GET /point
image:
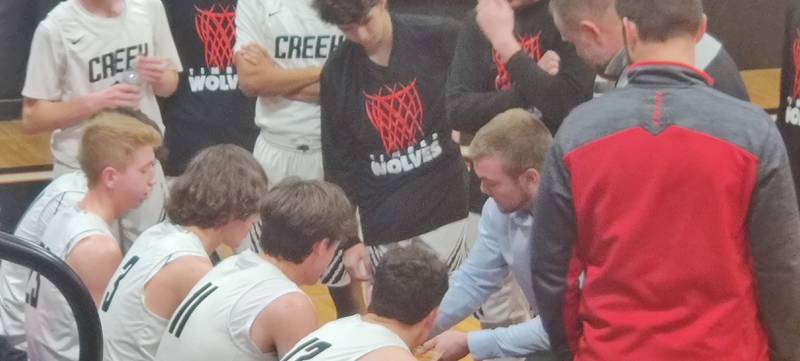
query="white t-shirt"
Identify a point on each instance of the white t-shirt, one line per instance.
(130, 330)
(75, 53)
(346, 339)
(295, 37)
(213, 322)
(49, 323)
(64, 191)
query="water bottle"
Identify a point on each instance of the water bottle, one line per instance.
(131, 77)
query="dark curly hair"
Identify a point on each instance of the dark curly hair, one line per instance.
(341, 12)
(410, 282)
(221, 183)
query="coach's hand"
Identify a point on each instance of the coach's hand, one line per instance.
(452, 344)
(356, 262)
(116, 96)
(550, 62)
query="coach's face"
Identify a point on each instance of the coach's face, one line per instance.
(510, 192)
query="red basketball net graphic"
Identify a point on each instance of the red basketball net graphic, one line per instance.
(531, 45)
(216, 28)
(796, 53)
(396, 113)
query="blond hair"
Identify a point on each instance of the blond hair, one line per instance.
(516, 137)
(110, 139)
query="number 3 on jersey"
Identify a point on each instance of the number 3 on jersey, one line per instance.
(110, 295)
(308, 350)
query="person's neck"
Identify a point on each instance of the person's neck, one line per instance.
(292, 271)
(676, 50)
(104, 8)
(382, 50)
(209, 237)
(97, 202)
(409, 334)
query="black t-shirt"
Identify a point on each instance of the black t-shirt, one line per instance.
(385, 139)
(789, 110)
(208, 108)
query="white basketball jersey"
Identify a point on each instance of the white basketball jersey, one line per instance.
(295, 37)
(49, 323)
(130, 330)
(213, 322)
(346, 339)
(75, 53)
(64, 191)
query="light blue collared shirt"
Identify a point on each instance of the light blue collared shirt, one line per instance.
(503, 246)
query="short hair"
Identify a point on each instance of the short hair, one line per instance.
(518, 138)
(299, 213)
(409, 283)
(660, 20)
(571, 12)
(221, 183)
(341, 12)
(110, 139)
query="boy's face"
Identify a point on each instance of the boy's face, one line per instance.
(370, 30)
(135, 182)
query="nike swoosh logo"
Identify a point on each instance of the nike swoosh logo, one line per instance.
(76, 40)
(273, 13)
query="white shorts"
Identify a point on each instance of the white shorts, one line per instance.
(280, 162)
(136, 221)
(450, 242)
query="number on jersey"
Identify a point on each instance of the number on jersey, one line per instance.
(308, 350)
(110, 295)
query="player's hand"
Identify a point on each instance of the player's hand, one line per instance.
(151, 69)
(117, 96)
(550, 62)
(496, 20)
(255, 55)
(356, 262)
(452, 345)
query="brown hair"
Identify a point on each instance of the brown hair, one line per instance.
(299, 213)
(409, 283)
(221, 183)
(110, 139)
(342, 12)
(659, 20)
(516, 137)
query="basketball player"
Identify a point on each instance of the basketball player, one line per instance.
(64, 191)
(385, 139)
(789, 110)
(409, 283)
(117, 156)
(84, 57)
(214, 202)
(280, 49)
(596, 30)
(250, 307)
(207, 108)
(507, 154)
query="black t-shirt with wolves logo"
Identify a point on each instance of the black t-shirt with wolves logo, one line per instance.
(207, 108)
(385, 139)
(789, 110)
